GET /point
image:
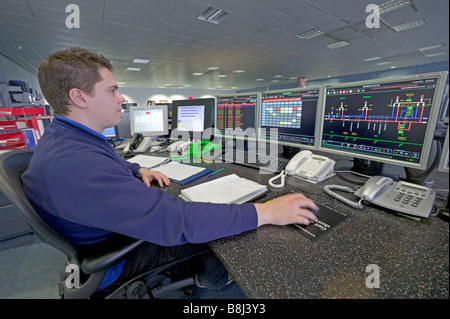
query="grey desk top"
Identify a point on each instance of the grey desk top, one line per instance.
(279, 262)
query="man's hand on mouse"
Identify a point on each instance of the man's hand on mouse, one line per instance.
(288, 209)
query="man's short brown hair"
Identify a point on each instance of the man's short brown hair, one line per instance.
(67, 69)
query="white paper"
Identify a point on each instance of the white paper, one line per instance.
(178, 171)
(148, 161)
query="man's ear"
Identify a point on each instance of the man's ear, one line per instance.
(78, 98)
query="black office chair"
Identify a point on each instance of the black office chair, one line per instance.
(93, 263)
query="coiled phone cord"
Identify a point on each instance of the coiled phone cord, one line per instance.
(328, 189)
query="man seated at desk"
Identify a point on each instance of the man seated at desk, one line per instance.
(85, 191)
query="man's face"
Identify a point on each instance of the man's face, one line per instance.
(105, 102)
(301, 82)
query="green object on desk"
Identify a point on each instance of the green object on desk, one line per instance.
(218, 171)
(197, 150)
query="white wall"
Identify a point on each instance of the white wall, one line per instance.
(142, 95)
(9, 70)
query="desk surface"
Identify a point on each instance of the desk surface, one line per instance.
(279, 262)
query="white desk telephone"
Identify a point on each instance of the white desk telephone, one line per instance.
(306, 165)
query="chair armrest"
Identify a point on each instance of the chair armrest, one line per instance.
(102, 256)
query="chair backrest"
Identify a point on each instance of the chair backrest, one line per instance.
(12, 165)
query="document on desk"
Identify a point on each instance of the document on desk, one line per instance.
(225, 190)
(182, 173)
(148, 161)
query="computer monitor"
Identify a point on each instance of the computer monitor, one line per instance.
(443, 163)
(150, 121)
(289, 117)
(236, 115)
(191, 118)
(111, 132)
(389, 120)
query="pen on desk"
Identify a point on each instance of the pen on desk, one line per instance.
(219, 170)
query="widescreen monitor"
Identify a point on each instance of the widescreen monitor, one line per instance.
(150, 121)
(192, 118)
(236, 115)
(289, 117)
(388, 120)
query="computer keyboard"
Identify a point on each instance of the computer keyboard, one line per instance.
(255, 160)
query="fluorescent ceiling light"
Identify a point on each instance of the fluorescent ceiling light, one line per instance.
(133, 69)
(197, 73)
(142, 61)
(213, 15)
(275, 81)
(431, 47)
(213, 68)
(393, 5)
(435, 54)
(338, 44)
(310, 34)
(238, 71)
(372, 59)
(259, 79)
(222, 76)
(409, 25)
(278, 76)
(384, 63)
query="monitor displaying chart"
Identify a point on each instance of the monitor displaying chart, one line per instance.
(289, 116)
(388, 120)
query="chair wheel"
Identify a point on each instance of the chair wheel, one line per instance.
(137, 290)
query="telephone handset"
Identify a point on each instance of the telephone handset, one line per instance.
(372, 187)
(366, 193)
(402, 197)
(136, 140)
(305, 165)
(138, 144)
(296, 161)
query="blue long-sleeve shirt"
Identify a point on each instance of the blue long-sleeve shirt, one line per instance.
(85, 191)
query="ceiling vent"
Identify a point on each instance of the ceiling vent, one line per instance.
(310, 34)
(213, 15)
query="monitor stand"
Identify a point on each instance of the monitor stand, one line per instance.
(418, 176)
(361, 166)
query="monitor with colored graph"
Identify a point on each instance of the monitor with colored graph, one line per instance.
(388, 120)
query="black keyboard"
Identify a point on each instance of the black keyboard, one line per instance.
(270, 163)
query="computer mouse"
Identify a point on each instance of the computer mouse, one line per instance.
(315, 212)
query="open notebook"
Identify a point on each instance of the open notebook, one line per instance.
(225, 190)
(177, 172)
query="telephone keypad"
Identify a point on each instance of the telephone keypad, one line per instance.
(406, 197)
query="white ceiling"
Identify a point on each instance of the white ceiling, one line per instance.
(259, 37)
